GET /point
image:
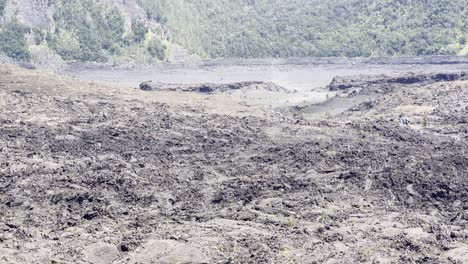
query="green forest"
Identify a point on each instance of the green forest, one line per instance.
(302, 28)
(88, 30)
(84, 30)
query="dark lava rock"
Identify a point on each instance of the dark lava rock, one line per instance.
(149, 86)
(209, 88)
(124, 248)
(344, 83)
(90, 215)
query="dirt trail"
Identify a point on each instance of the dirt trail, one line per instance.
(90, 173)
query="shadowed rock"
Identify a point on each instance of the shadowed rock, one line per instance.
(26, 65)
(212, 87)
(150, 86)
(344, 83)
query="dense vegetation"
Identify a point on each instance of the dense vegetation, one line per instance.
(13, 40)
(92, 30)
(285, 28)
(84, 30)
(88, 31)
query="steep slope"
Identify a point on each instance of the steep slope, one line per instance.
(84, 30)
(145, 31)
(298, 28)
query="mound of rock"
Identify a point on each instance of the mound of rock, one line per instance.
(150, 86)
(345, 83)
(385, 94)
(211, 88)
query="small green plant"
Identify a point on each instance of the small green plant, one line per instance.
(286, 256)
(424, 122)
(323, 217)
(291, 223)
(364, 256)
(38, 35)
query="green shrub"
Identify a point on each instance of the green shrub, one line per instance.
(38, 35)
(91, 47)
(139, 30)
(156, 49)
(13, 41)
(66, 44)
(2, 7)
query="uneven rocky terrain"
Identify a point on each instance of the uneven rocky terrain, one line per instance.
(91, 173)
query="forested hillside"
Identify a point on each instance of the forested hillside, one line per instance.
(144, 30)
(83, 30)
(285, 28)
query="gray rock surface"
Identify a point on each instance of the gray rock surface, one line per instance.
(167, 252)
(100, 253)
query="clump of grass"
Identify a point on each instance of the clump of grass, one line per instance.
(286, 256)
(323, 217)
(424, 122)
(291, 223)
(364, 256)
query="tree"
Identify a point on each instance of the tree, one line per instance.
(13, 41)
(156, 49)
(139, 30)
(110, 25)
(2, 7)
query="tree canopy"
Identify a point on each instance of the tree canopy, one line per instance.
(298, 28)
(92, 30)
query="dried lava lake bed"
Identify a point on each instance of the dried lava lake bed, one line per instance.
(322, 171)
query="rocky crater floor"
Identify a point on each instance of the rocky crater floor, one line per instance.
(91, 173)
